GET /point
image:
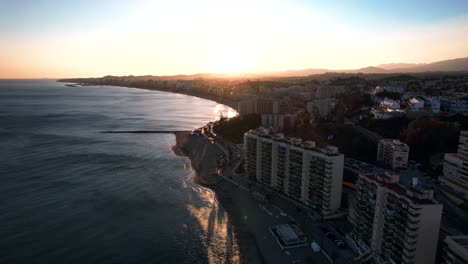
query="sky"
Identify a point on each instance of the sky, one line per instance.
(93, 38)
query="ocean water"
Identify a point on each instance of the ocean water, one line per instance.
(69, 194)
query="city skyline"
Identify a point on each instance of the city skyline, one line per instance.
(56, 39)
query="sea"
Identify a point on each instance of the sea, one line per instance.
(70, 194)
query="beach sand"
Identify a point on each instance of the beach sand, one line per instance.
(203, 156)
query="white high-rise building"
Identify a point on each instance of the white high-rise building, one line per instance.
(393, 153)
(396, 224)
(297, 169)
(456, 166)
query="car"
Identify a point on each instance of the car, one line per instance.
(315, 246)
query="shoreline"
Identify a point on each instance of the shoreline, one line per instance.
(202, 156)
(217, 99)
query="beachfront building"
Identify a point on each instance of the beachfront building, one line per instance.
(456, 166)
(395, 223)
(258, 106)
(393, 153)
(455, 250)
(299, 170)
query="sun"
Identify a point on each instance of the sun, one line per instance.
(230, 58)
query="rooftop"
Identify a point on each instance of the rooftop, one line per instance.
(294, 142)
(418, 194)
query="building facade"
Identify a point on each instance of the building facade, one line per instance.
(323, 107)
(278, 122)
(395, 224)
(455, 172)
(455, 250)
(297, 169)
(393, 153)
(258, 106)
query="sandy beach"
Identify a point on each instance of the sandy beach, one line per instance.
(203, 155)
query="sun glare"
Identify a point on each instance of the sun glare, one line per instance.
(230, 58)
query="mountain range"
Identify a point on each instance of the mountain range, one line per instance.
(460, 64)
(454, 65)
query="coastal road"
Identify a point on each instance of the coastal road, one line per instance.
(257, 218)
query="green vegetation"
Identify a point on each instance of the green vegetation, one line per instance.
(353, 144)
(389, 128)
(427, 136)
(233, 129)
(354, 102)
(391, 95)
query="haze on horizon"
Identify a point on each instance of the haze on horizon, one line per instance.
(58, 39)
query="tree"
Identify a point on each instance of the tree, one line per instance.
(427, 136)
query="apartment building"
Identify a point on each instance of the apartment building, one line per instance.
(278, 122)
(455, 172)
(297, 169)
(455, 250)
(323, 107)
(393, 153)
(258, 106)
(394, 223)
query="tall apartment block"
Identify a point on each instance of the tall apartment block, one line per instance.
(455, 250)
(456, 166)
(258, 106)
(393, 153)
(394, 223)
(297, 169)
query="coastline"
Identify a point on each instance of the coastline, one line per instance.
(217, 99)
(202, 155)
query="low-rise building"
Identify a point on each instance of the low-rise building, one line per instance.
(433, 102)
(454, 105)
(388, 103)
(391, 89)
(395, 223)
(416, 104)
(297, 169)
(393, 153)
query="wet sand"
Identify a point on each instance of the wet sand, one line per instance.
(236, 202)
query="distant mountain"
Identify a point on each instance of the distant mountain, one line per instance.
(393, 66)
(460, 64)
(368, 70)
(292, 73)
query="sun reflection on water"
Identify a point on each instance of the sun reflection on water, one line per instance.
(225, 111)
(217, 231)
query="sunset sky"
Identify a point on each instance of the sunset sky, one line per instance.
(92, 38)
